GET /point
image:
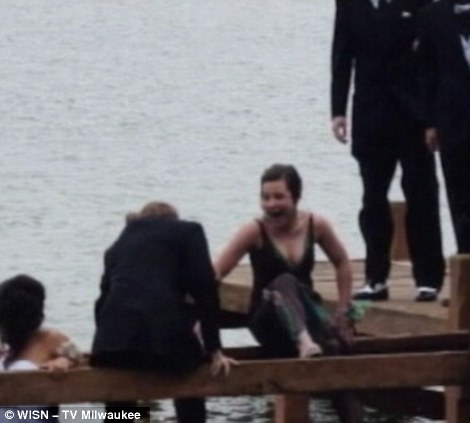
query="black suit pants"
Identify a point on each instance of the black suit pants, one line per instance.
(419, 184)
(456, 167)
(188, 410)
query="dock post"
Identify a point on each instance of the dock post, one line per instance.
(458, 398)
(399, 250)
(292, 408)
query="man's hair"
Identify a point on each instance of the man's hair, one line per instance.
(154, 209)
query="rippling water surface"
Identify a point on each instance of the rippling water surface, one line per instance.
(107, 104)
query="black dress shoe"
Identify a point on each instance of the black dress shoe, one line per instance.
(376, 292)
(426, 294)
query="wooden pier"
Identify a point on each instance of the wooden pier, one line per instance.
(399, 316)
(411, 345)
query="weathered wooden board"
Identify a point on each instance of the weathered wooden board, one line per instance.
(249, 378)
(400, 315)
(451, 341)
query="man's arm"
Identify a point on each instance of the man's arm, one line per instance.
(104, 287)
(341, 69)
(201, 284)
(428, 78)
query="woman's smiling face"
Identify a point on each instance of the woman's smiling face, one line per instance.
(277, 202)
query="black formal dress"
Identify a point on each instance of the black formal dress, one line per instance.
(444, 32)
(276, 321)
(283, 303)
(143, 320)
(378, 46)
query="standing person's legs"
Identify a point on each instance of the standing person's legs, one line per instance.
(419, 183)
(375, 222)
(456, 168)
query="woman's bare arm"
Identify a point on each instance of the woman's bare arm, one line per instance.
(336, 253)
(240, 244)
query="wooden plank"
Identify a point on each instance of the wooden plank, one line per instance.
(458, 398)
(399, 315)
(249, 378)
(381, 320)
(458, 340)
(292, 408)
(459, 317)
(451, 341)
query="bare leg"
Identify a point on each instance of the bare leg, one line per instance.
(307, 346)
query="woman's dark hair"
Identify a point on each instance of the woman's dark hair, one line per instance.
(289, 174)
(21, 312)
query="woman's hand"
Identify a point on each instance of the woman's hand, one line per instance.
(221, 363)
(59, 364)
(343, 325)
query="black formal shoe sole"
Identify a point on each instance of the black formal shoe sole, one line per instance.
(372, 296)
(426, 297)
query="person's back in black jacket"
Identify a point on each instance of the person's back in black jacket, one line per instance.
(143, 319)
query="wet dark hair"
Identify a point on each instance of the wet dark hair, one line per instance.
(285, 172)
(21, 312)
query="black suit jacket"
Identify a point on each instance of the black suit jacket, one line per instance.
(446, 74)
(150, 269)
(379, 46)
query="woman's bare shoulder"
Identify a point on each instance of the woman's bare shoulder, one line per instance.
(249, 233)
(321, 224)
(251, 227)
(247, 230)
(307, 215)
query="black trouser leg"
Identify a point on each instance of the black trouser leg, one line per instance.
(456, 168)
(348, 407)
(190, 410)
(422, 221)
(375, 219)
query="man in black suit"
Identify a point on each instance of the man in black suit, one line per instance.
(377, 39)
(143, 320)
(444, 49)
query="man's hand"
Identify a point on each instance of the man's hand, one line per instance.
(221, 363)
(432, 139)
(339, 126)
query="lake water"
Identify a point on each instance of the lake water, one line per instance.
(107, 104)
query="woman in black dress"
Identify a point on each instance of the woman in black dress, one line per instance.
(286, 315)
